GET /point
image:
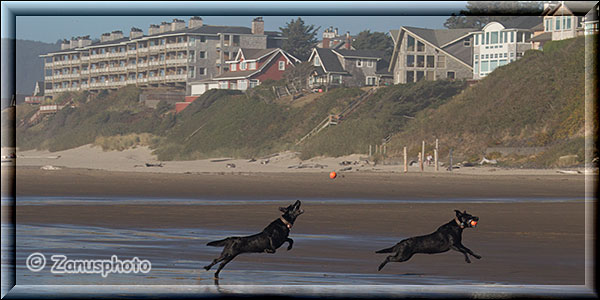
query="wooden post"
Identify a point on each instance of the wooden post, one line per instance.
(370, 152)
(405, 161)
(437, 166)
(422, 155)
(450, 159)
(421, 161)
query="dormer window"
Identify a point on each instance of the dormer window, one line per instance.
(252, 65)
(317, 61)
(243, 65)
(233, 67)
(359, 63)
(282, 66)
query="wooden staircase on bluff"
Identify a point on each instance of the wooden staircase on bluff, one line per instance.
(336, 119)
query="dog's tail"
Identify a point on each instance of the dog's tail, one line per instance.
(386, 250)
(219, 243)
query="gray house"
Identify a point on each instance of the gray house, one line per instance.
(431, 54)
(348, 67)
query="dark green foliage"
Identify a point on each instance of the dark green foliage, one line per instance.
(108, 114)
(535, 101)
(379, 41)
(480, 13)
(300, 38)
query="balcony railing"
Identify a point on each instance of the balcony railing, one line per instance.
(177, 46)
(177, 61)
(156, 63)
(176, 77)
(143, 65)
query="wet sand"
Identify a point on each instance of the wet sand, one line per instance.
(521, 243)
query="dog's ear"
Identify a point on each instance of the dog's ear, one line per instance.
(283, 209)
(458, 213)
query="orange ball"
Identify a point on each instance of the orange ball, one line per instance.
(333, 175)
(473, 223)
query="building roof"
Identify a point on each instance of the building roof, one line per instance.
(546, 36)
(578, 8)
(329, 60)
(523, 22)
(394, 34)
(359, 53)
(256, 54)
(252, 54)
(592, 15)
(440, 37)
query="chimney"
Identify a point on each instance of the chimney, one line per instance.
(84, 41)
(164, 27)
(258, 26)
(348, 40)
(154, 29)
(336, 32)
(65, 44)
(105, 37)
(177, 24)
(135, 33)
(195, 22)
(115, 35)
(73, 43)
(325, 43)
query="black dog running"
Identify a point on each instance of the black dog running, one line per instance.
(446, 237)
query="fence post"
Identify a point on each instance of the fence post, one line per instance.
(405, 162)
(370, 152)
(421, 161)
(437, 166)
(422, 155)
(450, 160)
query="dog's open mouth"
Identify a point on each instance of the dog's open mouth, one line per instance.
(473, 223)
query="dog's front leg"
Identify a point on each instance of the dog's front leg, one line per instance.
(272, 248)
(459, 249)
(290, 242)
(469, 251)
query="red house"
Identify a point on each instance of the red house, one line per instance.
(249, 68)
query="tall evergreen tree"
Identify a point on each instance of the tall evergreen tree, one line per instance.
(300, 38)
(379, 41)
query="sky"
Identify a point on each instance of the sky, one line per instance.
(49, 21)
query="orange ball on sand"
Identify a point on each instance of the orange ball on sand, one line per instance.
(333, 175)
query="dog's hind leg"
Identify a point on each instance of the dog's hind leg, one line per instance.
(227, 259)
(399, 257)
(214, 262)
(290, 243)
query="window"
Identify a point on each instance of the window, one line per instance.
(451, 75)
(410, 43)
(359, 63)
(420, 47)
(501, 35)
(429, 75)
(502, 62)
(494, 37)
(420, 75)
(202, 54)
(512, 35)
(476, 39)
(254, 82)
(203, 39)
(557, 23)
(420, 61)
(233, 85)
(505, 35)
(512, 54)
(370, 63)
(371, 80)
(493, 65)
(233, 67)
(519, 54)
(441, 61)
(519, 37)
(410, 76)
(487, 38)
(282, 66)
(568, 24)
(484, 66)
(476, 67)
(430, 61)
(467, 43)
(476, 56)
(223, 85)
(481, 38)
(252, 65)
(317, 61)
(496, 55)
(243, 65)
(201, 71)
(410, 60)
(336, 79)
(242, 84)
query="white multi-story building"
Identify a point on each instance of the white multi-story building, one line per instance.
(172, 54)
(498, 44)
